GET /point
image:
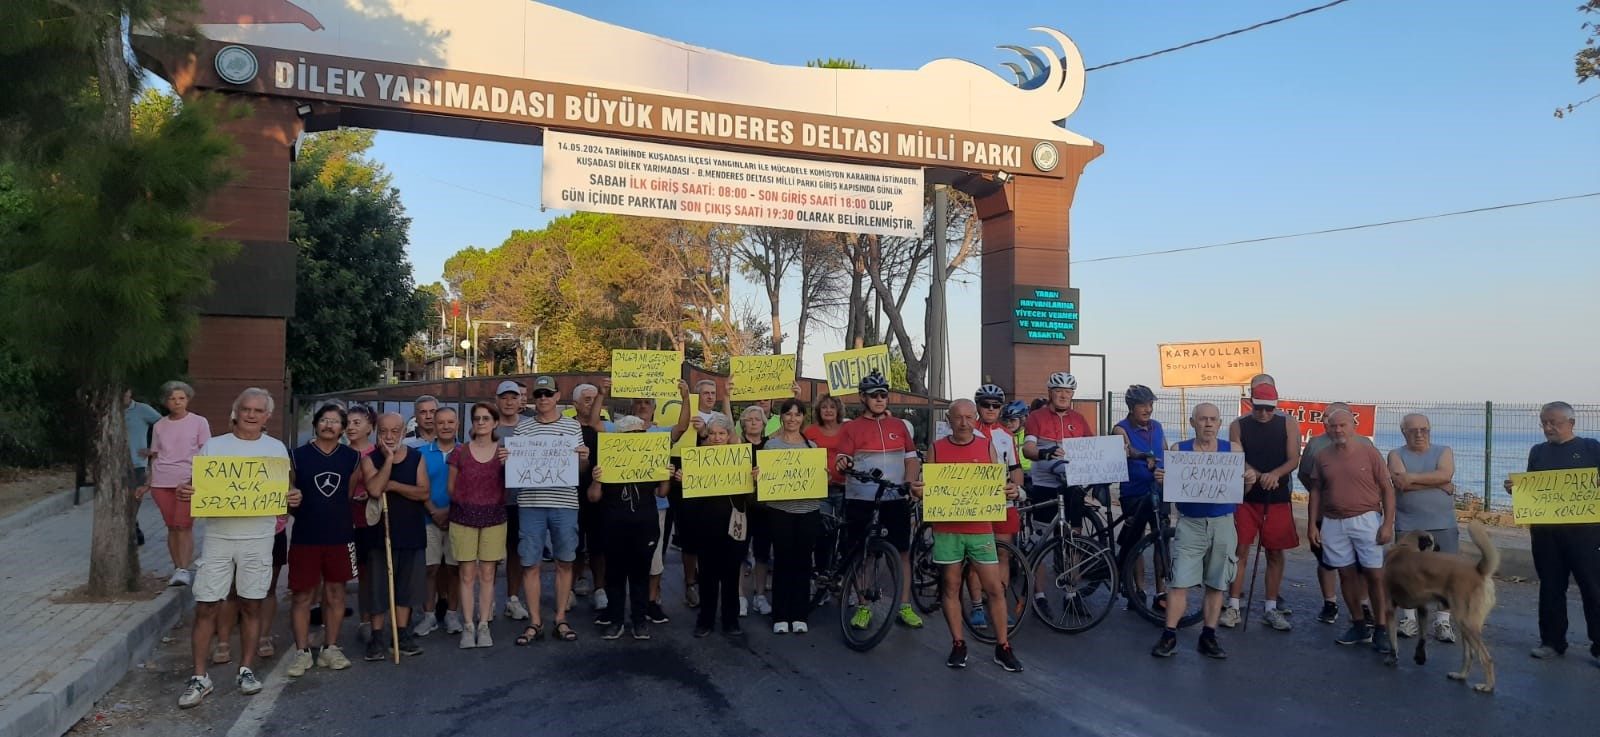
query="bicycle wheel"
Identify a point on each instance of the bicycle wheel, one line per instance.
(1076, 583)
(1145, 574)
(871, 596)
(1018, 592)
(924, 573)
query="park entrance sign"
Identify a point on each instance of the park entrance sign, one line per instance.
(512, 70)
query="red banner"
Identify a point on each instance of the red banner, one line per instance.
(1309, 415)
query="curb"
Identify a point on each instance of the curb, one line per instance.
(49, 506)
(55, 707)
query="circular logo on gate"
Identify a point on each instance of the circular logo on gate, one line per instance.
(1045, 156)
(237, 65)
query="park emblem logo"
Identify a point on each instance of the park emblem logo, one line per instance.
(236, 64)
(1045, 156)
(327, 482)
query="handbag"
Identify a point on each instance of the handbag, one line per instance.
(738, 525)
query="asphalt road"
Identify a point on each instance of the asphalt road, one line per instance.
(1099, 683)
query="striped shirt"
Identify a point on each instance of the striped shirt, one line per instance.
(557, 497)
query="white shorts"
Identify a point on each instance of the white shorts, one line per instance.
(1352, 540)
(658, 565)
(225, 565)
(439, 548)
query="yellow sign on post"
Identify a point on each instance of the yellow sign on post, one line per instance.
(1229, 363)
(648, 374)
(1568, 497)
(633, 457)
(790, 474)
(762, 377)
(717, 470)
(847, 368)
(964, 492)
(226, 486)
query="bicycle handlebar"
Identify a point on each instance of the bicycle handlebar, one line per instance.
(875, 476)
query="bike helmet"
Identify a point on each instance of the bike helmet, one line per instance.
(1139, 394)
(873, 382)
(1062, 380)
(989, 391)
(1014, 411)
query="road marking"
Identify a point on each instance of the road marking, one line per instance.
(254, 715)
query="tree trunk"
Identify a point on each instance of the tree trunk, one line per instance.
(777, 324)
(916, 368)
(113, 561)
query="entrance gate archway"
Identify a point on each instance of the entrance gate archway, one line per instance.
(509, 70)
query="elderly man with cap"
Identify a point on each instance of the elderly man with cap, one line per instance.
(549, 513)
(1327, 576)
(1352, 517)
(1271, 444)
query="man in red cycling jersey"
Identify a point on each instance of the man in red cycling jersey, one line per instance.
(879, 441)
(1043, 432)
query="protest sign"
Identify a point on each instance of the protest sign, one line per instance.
(539, 461)
(1567, 497)
(1097, 460)
(717, 470)
(964, 492)
(648, 374)
(800, 473)
(762, 377)
(1198, 477)
(847, 368)
(226, 486)
(667, 416)
(1311, 415)
(630, 457)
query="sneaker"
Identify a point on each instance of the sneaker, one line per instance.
(862, 618)
(247, 682)
(980, 618)
(1007, 659)
(1277, 621)
(1358, 634)
(641, 629)
(761, 604)
(702, 631)
(1380, 640)
(780, 628)
(264, 647)
(1408, 627)
(375, 649)
(196, 691)
(909, 617)
(300, 662)
(1366, 613)
(177, 578)
(1329, 613)
(1209, 647)
(453, 624)
(469, 638)
(408, 644)
(583, 587)
(612, 632)
(364, 633)
(733, 631)
(515, 609)
(603, 619)
(1545, 652)
(332, 658)
(744, 607)
(958, 655)
(691, 596)
(1283, 608)
(426, 627)
(1443, 632)
(656, 614)
(1230, 617)
(1166, 646)
(222, 654)
(484, 640)
(601, 600)
(1041, 604)
(799, 628)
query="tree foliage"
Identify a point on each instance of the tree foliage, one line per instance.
(1586, 62)
(355, 302)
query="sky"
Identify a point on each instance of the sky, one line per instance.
(1366, 112)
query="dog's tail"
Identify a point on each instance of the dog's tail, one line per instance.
(1490, 560)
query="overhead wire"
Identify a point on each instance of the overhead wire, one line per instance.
(1217, 37)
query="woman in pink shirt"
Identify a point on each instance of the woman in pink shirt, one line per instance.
(174, 441)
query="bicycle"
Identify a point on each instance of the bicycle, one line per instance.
(1074, 574)
(868, 577)
(927, 586)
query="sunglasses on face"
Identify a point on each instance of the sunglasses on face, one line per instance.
(989, 405)
(879, 394)
(543, 394)
(482, 418)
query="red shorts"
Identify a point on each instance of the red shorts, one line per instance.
(310, 565)
(1279, 532)
(1011, 526)
(173, 512)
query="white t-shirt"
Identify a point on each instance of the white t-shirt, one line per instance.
(243, 528)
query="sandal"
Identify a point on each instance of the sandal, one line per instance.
(564, 631)
(533, 633)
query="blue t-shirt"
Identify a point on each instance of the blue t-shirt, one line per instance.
(324, 479)
(1141, 478)
(1191, 509)
(139, 417)
(438, 474)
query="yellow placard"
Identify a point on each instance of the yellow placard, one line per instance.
(667, 416)
(1228, 363)
(762, 377)
(964, 492)
(847, 368)
(789, 474)
(632, 457)
(717, 470)
(1568, 497)
(227, 486)
(649, 374)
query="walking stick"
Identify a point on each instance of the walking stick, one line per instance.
(388, 556)
(1250, 598)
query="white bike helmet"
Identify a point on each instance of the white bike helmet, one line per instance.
(1062, 380)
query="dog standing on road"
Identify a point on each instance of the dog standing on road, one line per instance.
(1418, 577)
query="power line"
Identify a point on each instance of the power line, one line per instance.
(1217, 37)
(482, 193)
(1344, 229)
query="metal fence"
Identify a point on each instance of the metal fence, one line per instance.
(1489, 440)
